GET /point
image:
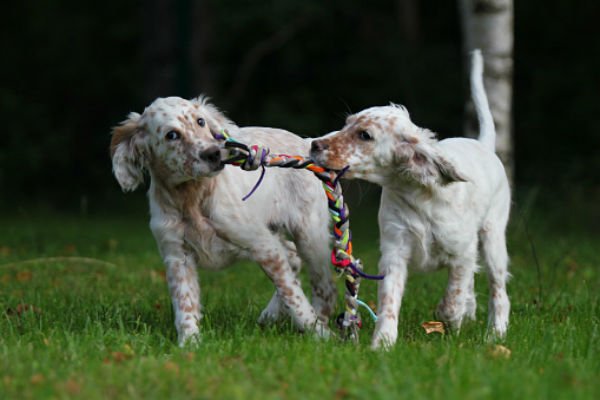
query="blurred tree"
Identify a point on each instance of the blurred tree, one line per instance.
(488, 25)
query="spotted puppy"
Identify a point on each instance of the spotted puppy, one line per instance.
(441, 202)
(199, 220)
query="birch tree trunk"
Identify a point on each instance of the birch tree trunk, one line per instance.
(488, 25)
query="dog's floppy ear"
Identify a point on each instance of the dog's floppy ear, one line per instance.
(127, 153)
(448, 173)
(421, 160)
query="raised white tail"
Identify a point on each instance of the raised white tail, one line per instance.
(487, 131)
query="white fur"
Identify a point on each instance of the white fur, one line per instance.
(199, 219)
(441, 202)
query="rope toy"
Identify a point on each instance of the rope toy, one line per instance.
(251, 158)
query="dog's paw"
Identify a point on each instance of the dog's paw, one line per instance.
(383, 340)
(382, 344)
(321, 330)
(190, 340)
(495, 334)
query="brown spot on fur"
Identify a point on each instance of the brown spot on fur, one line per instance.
(287, 291)
(390, 315)
(188, 308)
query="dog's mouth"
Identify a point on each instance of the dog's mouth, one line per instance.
(219, 167)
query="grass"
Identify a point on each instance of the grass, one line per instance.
(70, 328)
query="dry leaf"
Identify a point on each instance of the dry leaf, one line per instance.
(171, 366)
(72, 386)
(158, 276)
(5, 251)
(23, 308)
(433, 326)
(24, 276)
(499, 351)
(37, 378)
(341, 393)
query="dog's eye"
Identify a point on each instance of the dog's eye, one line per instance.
(364, 135)
(201, 122)
(172, 135)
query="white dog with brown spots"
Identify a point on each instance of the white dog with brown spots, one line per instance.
(441, 202)
(199, 220)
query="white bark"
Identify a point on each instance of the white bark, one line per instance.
(488, 25)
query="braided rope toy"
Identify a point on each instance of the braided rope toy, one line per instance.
(250, 158)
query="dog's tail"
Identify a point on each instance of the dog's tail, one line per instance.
(487, 131)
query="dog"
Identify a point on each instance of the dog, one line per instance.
(441, 202)
(199, 220)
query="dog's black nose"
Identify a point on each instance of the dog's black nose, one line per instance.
(211, 155)
(318, 146)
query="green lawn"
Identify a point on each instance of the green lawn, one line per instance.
(73, 328)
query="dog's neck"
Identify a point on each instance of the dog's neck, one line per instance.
(189, 199)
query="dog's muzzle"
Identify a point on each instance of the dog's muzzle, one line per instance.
(212, 156)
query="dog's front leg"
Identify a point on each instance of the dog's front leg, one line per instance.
(389, 298)
(184, 288)
(395, 253)
(182, 279)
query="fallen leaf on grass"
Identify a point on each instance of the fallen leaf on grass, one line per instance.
(118, 357)
(433, 326)
(499, 351)
(22, 308)
(341, 393)
(5, 251)
(71, 386)
(158, 276)
(37, 379)
(171, 366)
(24, 276)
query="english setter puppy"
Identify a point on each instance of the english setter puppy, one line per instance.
(441, 202)
(199, 220)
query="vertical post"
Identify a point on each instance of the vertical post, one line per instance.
(488, 25)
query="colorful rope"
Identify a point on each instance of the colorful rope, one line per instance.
(251, 158)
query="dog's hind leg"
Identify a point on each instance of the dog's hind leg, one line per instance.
(496, 257)
(276, 310)
(312, 239)
(458, 301)
(471, 300)
(269, 252)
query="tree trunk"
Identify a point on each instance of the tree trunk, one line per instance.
(488, 25)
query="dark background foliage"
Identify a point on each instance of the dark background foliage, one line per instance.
(70, 70)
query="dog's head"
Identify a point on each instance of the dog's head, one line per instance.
(173, 139)
(382, 144)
